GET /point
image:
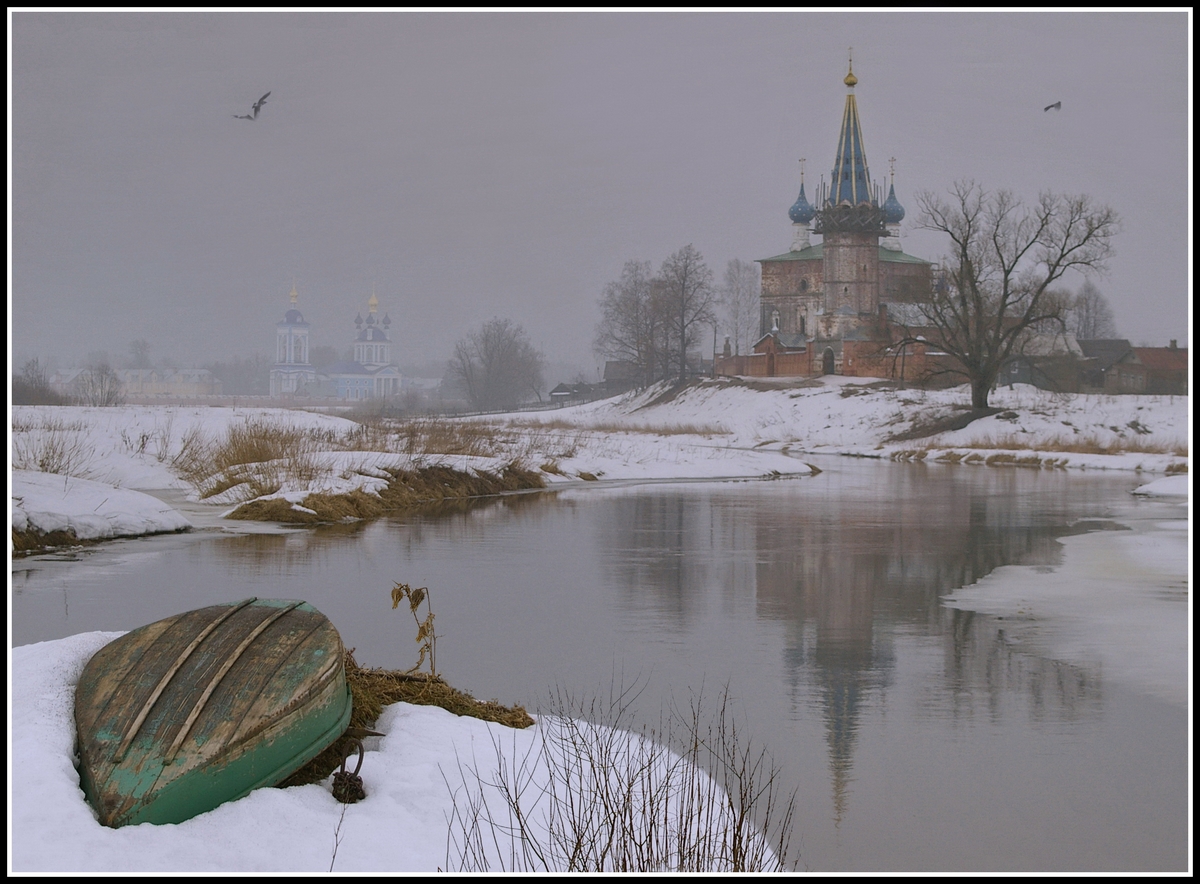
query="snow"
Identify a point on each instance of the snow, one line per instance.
(92, 510)
(1114, 601)
(410, 776)
(1168, 486)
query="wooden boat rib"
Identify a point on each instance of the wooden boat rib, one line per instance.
(181, 715)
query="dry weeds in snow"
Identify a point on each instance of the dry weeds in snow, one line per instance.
(592, 796)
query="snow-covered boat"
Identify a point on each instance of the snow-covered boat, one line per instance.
(184, 714)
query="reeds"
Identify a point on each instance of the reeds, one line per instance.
(51, 445)
(1080, 444)
(679, 429)
(595, 795)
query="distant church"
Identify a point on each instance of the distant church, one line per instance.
(292, 374)
(825, 307)
(371, 374)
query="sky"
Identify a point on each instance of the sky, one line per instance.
(470, 165)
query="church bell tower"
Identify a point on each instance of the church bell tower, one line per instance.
(851, 220)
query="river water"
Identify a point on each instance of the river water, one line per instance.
(917, 736)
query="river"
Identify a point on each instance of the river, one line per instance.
(918, 736)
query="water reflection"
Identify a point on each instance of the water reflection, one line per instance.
(847, 568)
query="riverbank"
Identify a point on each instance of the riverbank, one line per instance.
(297, 467)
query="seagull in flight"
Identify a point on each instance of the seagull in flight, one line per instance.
(257, 107)
(1056, 106)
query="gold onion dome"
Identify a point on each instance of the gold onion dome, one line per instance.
(851, 80)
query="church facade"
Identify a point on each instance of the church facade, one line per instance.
(292, 374)
(826, 307)
(371, 374)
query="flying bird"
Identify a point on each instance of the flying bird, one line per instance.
(257, 106)
(1056, 106)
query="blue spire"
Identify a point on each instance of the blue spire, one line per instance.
(801, 211)
(851, 182)
(893, 212)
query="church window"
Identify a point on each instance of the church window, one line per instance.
(804, 285)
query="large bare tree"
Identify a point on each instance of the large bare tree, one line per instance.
(633, 326)
(1090, 317)
(1005, 258)
(497, 366)
(99, 384)
(687, 286)
(739, 298)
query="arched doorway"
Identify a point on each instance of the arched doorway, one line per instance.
(827, 361)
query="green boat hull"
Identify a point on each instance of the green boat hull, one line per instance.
(182, 715)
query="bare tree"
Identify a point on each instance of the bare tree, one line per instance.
(739, 298)
(98, 384)
(633, 327)
(139, 352)
(497, 366)
(1090, 317)
(1005, 258)
(687, 287)
(32, 385)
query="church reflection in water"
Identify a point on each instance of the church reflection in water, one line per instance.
(849, 572)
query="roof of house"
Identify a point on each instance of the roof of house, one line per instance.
(1106, 351)
(1162, 358)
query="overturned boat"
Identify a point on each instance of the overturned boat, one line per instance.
(175, 718)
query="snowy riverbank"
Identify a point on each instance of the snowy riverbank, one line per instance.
(421, 778)
(710, 430)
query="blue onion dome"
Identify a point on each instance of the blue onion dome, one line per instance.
(893, 212)
(293, 317)
(802, 211)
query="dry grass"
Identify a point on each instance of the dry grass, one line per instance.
(406, 490)
(260, 453)
(1077, 444)
(51, 445)
(616, 427)
(1081, 444)
(373, 689)
(1176, 469)
(33, 540)
(440, 436)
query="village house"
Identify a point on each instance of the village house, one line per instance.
(1161, 370)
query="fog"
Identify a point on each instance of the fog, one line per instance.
(470, 165)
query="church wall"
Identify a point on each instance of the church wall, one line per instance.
(851, 272)
(794, 289)
(905, 283)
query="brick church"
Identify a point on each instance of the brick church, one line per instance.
(830, 307)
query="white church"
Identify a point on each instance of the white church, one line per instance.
(370, 375)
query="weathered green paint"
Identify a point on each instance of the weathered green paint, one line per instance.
(244, 709)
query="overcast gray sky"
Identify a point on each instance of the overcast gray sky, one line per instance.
(470, 165)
